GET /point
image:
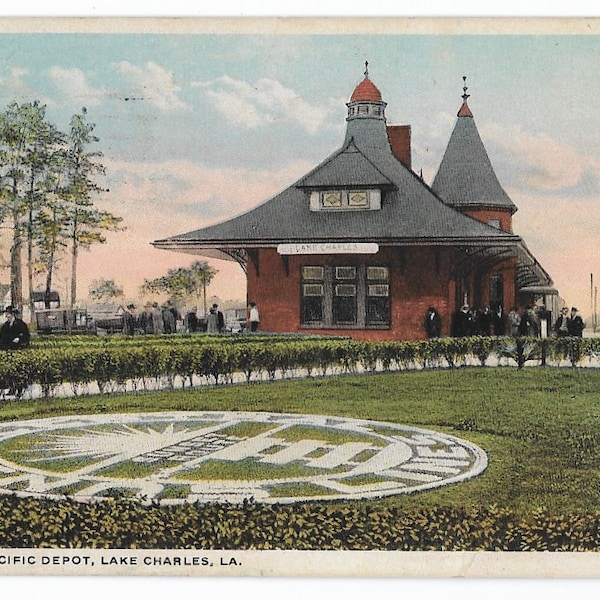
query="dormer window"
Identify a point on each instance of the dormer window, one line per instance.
(344, 199)
(332, 200)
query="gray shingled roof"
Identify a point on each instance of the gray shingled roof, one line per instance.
(466, 176)
(348, 167)
(410, 213)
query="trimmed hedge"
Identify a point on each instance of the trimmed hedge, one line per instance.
(168, 361)
(32, 523)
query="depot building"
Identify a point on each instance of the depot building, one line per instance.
(361, 246)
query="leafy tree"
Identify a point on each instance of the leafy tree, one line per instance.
(51, 221)
(39, 162)
(87, 224)
(105, 289)
(47, 184)
(25, 136)
(183, 282)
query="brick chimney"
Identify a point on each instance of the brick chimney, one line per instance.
(399, 136)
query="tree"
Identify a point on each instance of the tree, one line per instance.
(25, 136)
(51, 221)
(183, 282)
(41, 163)
(87, 224)
(47, 181)
(105, 289)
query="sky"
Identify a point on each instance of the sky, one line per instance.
(198, 127)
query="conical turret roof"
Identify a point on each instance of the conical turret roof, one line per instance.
(466, 178)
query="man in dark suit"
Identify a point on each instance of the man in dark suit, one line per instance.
(220, 319)
(575, 324)
(433, 323)
(14, 333)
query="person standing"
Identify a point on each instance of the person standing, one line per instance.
(220, 319)
(463, 322)
(575, 324)
(168, 319)
(129, 320)
(514, 320)
(561, 326)
(484, 321)
(433, 323)
(254, 317)
(498, 321)
(191, 321)
(158, 325)
(212, 324)
(529, 325)
(145, 319)
(14, 333)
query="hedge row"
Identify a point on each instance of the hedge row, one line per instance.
(160, 363)
(110, 341)
(122, 523)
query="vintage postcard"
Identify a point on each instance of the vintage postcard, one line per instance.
(300, 297)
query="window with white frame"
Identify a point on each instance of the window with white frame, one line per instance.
(345, 296)
(355, 199)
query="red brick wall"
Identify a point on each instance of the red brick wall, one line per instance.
(419, 278)
(277, 295)
(399, 137)
(484, 216)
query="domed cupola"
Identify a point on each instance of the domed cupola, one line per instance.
(366, 102)
(366, 117)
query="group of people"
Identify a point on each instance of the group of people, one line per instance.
(164, 319)
(152, 319)
(537, 322)
(485, 321)
(15, 334)
(527, 322)
(569, 325)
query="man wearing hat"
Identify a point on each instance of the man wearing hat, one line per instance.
(220, 319)
(575, 324)
(14, 334)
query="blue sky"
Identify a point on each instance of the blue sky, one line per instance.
(198, 127)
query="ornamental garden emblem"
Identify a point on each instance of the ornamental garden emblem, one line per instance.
(177, 457)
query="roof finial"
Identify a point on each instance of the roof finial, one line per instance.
(465, 88)
(465, 111)
(366, 69)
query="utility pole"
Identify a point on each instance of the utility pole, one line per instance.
(592, 311)
(595, 313)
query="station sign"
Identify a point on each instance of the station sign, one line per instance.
(328, 248)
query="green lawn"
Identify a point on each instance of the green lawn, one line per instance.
(539, 426)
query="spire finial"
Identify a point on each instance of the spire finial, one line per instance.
(465, 111)
(465, 88)
(366, 69)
